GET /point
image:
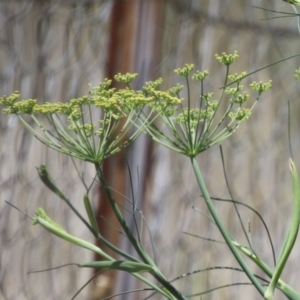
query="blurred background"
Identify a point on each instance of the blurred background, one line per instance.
(51, 50)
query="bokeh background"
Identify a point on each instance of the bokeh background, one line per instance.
(51, 50)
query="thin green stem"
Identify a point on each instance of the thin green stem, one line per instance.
(292, 235)
(230, 193)
(220, 100)
(120, 217)
(222, 229)
(138, 247)
(285, 288)
(188, 125)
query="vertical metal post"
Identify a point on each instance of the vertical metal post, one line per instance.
(135, 41)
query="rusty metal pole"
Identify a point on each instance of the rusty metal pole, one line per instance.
(135, 41)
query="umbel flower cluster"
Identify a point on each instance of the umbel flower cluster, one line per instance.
(98, 125)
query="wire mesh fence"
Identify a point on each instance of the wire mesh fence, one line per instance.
(51, 50)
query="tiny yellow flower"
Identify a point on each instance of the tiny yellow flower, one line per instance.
(227, 59)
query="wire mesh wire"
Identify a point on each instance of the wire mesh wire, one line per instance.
(51, 50)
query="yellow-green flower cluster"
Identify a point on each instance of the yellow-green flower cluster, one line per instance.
(191, 130)
(240, 98)
(53, 108)
(207, 97)
(233, 91)
(260, 86)
(103, 96)
(120, 102)
(237, 77)
(227, 59)
(297, 74)
(75, 114)
(163, 103)
(23, 107)
(175, 90)
(193, 116)
(200, 75)
(10, 100)
(125, 78)
(240, 114)
(15, 106)
(88, 129)
(152, 85)
(194, 129)
(77, 134)
(185, 71)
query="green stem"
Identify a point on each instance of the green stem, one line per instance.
(222, 229)
(57, 230)
(49, 182)
(285, 288)
(116, 249)
(142, 253)
(292, 235)
(120, 218)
